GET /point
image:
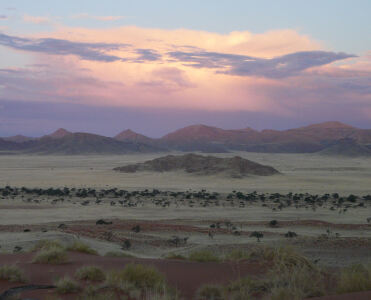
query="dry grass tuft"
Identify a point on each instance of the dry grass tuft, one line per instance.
(51, 256)
(67, 285)
(356, 278)
(81, 247)
(90, 273)
(12, 273)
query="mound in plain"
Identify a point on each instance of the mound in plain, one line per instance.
(202, 165)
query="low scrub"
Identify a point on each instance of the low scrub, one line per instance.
(354, 279)
(67, 285)
(12, 273)
(81, 247)
(203, 256)
(90, 273)
(51, 256)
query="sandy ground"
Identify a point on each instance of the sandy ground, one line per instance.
(301, 173)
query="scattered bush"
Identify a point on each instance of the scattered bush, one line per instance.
(90, 273)
(354, 279)
(273, 223)
(81, 247)
(257, 234)
(66, 285)
(51, 256)
(203, 256)
(11, 273)
(210, 292)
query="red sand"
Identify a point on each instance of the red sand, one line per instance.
(184, 275)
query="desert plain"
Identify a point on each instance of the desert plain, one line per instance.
(187, 213)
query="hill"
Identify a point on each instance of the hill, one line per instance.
(84, 143)
(346, 147)
(129, 135)
(236, 167)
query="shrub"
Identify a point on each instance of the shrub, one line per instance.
(67, 286)
(203, 256)
(51, 256)
(259, 235)
(210, 292)
(90, 273)
(11, 273)
(354, 279)
(81, 247)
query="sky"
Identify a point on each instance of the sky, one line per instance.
(156, 66)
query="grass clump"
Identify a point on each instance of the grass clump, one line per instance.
(143, 277)
(245, 287)
(137, 280)
(90, 273)
(118, 254)
(237, 255)
(51, 256)
(210, 292)
(355, 278)
(94, 293)
(175, 256)
(67, 285)
(47, 244)
(295, 282)
(81, 247)
(203, 256)
(11, 273)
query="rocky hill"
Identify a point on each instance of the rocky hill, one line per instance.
(236, 167)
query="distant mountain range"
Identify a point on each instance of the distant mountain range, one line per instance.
(330, 138)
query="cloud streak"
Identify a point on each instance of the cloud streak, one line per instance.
(36, 19)
(86, 51)
(242, 65)
(97, 18)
